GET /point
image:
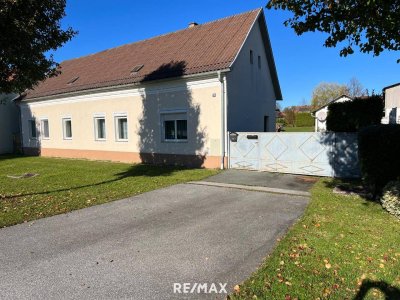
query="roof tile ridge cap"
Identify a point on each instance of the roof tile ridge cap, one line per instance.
(161, 35)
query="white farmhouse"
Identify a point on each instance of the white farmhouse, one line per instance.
(391, 95)
(321, 113)
(169, 99)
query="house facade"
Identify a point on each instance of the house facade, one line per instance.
(171, 99)
(9, 123)
(392, 104)
(321, 113)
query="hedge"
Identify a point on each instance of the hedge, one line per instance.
(304, 119)
(379, 155)
(351, 116)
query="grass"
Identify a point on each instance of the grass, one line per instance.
(299, 129)
(64, 185)
(344, 247)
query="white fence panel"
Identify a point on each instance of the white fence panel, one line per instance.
(317, 154)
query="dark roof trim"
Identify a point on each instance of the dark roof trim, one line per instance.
(270, 56)
(390, 86)
(330, 102)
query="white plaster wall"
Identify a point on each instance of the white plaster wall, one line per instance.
(142, 106)
(392, 97)
(251, 94)
(9, 122)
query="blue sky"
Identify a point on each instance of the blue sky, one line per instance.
(302, 62)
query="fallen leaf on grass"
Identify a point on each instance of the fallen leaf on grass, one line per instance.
(236, 288)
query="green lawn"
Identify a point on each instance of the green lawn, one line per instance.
(65, 184)
(344, 247)
(298, 129)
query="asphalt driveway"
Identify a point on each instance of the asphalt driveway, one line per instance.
(139, 247)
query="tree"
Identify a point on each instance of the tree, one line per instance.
(290, 116)
(29, 30)
(355, 88)
(326, 92)
(372, 26)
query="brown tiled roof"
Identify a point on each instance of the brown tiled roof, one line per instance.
(203, 48)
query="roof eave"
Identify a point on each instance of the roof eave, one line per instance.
(120, 87)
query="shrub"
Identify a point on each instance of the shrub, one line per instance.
(391, 198)
(350, 116)
(379, 155)
(304, 119)
(281, 121)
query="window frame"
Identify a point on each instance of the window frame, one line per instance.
(116, 127)
(31, 137)
(64, 120)
(163, 128)
(42, 120)
(97, 117)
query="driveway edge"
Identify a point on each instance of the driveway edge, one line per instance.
(252, 188)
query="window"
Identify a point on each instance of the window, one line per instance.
(259, 62)
(67, 128)
(32, 129)
(121, 124)
(251, 57)
(100, 128)
(266, 124)
(44, 125)
(174, 126)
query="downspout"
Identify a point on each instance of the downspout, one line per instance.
(222, 79)
(226, 120)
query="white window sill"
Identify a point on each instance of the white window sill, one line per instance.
(175, 141)
(121, 141)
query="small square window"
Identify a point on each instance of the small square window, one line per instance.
(121, 124)
(67, 128)
(100, 128)
(44, 125)
(32, 129)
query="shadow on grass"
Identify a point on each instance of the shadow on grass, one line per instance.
(350, 187)
(140, 170)
(390, 292)
(10, 156)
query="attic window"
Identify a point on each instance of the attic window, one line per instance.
(136, 69)
(73, 80)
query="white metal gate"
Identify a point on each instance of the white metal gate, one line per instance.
(309, 153)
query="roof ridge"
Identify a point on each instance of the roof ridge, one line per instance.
(163, 35)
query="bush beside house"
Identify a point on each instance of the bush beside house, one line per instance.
(379, 148)
(351, 116)
(391, 198)
(304, 119)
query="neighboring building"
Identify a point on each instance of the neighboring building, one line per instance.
(302, 108)
(321, 113)
(9, 123)
(391, 95)
(170, 99)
